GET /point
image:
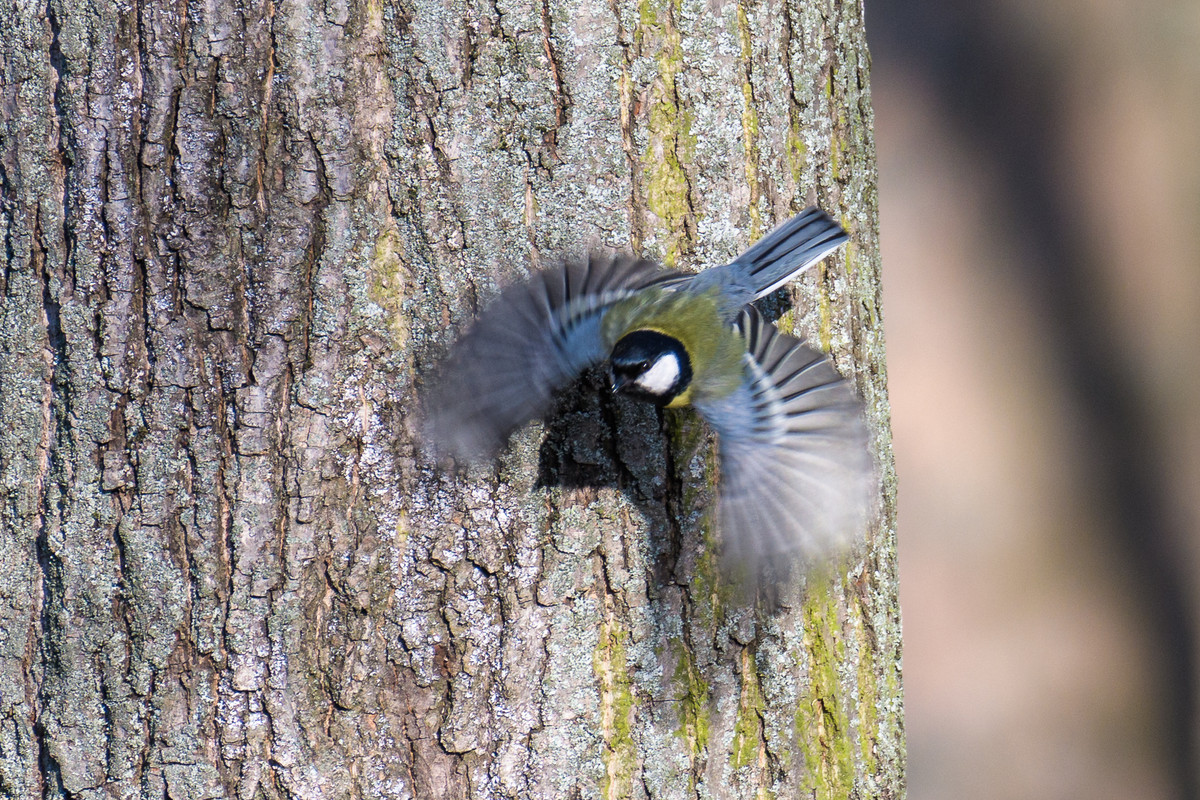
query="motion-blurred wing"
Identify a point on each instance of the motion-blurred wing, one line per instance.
(796, 472)
(535, 338)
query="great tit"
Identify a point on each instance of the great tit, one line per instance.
(795, 467)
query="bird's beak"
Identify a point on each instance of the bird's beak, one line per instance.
(618, 382)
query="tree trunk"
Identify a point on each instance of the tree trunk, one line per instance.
(237, 235)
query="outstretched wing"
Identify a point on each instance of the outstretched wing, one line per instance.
(535, 338)
(796, 472)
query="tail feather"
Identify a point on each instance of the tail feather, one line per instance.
(792, 247)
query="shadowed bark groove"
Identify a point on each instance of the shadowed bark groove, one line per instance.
(237, 235)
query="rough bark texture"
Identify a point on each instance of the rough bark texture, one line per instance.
(237, 235)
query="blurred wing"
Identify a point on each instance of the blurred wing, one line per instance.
(796, 472)
(535, 338)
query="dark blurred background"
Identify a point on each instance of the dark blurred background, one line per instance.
(1039, 191)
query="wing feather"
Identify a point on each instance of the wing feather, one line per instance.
(535, 338)
(796, 471)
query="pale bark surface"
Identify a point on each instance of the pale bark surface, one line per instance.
(237, 236)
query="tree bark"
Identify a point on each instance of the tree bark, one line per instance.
(238, 235)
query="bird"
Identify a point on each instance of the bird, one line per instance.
(795, 469)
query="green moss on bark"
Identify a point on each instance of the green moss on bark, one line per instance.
(610, 665)
(822, 722)
(670, 141)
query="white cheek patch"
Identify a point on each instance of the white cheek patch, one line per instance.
(661, 377)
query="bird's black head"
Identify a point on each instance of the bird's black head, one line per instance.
(650, 366)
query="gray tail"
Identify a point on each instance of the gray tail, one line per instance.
(789, 249)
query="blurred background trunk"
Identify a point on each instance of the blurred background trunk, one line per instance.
(1040, 192)
(236, 236)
